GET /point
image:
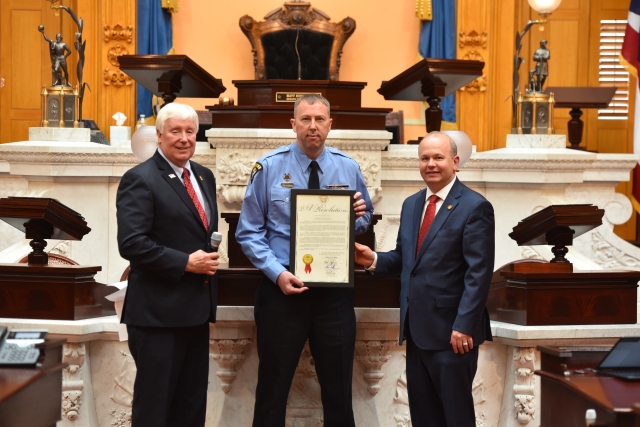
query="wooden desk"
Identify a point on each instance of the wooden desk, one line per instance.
(565, 399)
(32, 396)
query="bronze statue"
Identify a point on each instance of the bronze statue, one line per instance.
(58, 51)
(541, 56)
(80, 46)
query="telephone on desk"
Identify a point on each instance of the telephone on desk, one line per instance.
(18, 347)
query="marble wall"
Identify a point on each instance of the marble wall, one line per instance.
(98, 384)
(518, 180)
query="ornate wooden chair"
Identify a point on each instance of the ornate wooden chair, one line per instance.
(297, 25)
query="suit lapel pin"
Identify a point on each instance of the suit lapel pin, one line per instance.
(171, 176)
(449, 207)
(201, 178)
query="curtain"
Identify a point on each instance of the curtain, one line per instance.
(438, 40)
(155, 36)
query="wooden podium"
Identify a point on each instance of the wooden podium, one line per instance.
(577, 98)
(430, 80)
(269, 104)
(40, 290)
(534, 292)
(169, 76)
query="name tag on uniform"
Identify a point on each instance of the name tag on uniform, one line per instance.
(287, 184)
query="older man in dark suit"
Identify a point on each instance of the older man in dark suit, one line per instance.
(445, 254)
(166, 215)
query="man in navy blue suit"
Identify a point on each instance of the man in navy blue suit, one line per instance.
(445, 253)
(166, 215)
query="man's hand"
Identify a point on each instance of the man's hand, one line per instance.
(359, 207)
(201, 262)
(461, 342)
(363, 255)
(290, 284)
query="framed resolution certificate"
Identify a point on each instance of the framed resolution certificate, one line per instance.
(322, 237)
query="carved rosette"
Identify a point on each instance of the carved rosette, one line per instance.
(114, 52)
(227, 352)
(373, 354)
(524, 365)
(73, 354)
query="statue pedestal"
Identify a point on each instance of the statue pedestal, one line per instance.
(536, 141)
(60, 134)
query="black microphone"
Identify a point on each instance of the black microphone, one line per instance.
(216, 239)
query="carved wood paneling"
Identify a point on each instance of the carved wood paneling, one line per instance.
(474, 20)
(109, 31)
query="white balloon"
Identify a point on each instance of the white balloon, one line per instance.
(144, 142)
(464, 144)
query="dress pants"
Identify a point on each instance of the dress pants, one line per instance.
(170, 389)
(326, 317)
(439, 384)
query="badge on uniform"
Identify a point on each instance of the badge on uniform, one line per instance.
(286, 184)
(256, 168)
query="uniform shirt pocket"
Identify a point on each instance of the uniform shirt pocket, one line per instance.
(280, 211)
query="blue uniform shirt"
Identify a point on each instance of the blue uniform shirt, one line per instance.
(264, 226)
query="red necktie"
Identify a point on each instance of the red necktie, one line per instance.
(194, 197)
(429, 214)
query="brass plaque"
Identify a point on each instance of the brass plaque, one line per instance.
(292, 96)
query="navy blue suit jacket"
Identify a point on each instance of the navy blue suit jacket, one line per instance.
(158, 227)
(446, 286)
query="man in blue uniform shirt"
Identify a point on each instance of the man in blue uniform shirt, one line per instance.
(287, 313)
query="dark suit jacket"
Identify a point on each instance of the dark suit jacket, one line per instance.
(158, 227)
(446, 286)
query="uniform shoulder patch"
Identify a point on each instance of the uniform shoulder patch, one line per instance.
(256, 168)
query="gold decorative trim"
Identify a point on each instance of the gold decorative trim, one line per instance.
(172, 6)
(424, 10)
(479, 84)
(473, 39)
(116, 78)
(118, 32)
(114, 52)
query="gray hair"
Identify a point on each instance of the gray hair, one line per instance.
(175, 110)
(311, 98)
(452, 144)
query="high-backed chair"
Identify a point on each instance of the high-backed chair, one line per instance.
(296, 24)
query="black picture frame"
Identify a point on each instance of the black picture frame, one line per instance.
(295, 193)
